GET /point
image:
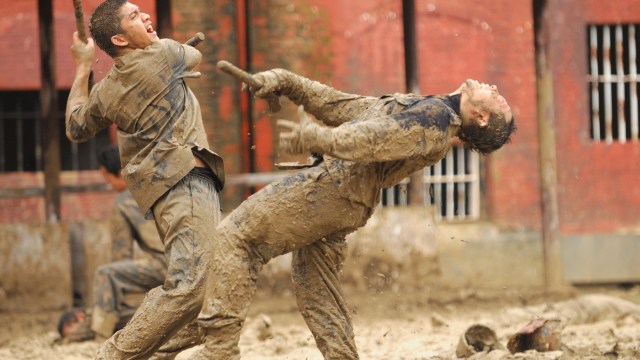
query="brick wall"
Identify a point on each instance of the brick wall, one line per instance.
(356, 46)
(597, 183)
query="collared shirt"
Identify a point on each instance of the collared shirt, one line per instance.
(392, 138)
(158, 118)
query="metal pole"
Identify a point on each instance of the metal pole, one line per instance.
(49, 112)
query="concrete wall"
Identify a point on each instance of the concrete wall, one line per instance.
(35, 267)
(43, 265)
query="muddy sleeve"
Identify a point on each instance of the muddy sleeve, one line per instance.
(192, 56)
(180, 57)
(374, 140)
(86, 120)
(330, 106)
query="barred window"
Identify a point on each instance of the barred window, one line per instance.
(20, 135)
(613, 82)
(452, 185)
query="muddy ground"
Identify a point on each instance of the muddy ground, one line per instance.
(391, 323)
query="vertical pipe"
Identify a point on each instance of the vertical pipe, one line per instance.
(49, 112)
(416, 185)
(608, 111)
(410, 53)
(244, 62)
(163, 15)
(622, 126)
(595, 91)
(553, 272)
(633, 83)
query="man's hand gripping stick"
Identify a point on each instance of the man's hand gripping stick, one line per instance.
(245, 77)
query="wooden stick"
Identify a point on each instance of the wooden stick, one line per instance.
(245, 77)
(77, 7)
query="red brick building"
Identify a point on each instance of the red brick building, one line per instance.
(357, 46)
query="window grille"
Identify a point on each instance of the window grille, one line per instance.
(613, 81)
(20, 135)
(452, 186)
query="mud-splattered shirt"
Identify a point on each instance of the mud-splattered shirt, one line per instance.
(158, 118)
(128, 225)
(376, 142)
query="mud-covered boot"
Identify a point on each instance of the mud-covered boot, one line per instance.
(220, 344)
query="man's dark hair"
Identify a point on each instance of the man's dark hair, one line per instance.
(490, 138)
(104, 23)
(109, 157)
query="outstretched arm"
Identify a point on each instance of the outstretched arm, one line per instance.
(79, 123)
(327, 104)
(377, 139)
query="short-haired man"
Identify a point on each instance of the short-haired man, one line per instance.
(167, 164)
(368, 144)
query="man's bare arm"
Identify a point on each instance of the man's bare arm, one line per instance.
(83, 55)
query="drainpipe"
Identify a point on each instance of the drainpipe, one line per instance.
(416, 186)
(49, 112)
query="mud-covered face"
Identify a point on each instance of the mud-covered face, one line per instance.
(138, 32)
(487, 119)
(480, 100)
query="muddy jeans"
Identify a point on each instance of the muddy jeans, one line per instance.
(302, 213)
(186, 218)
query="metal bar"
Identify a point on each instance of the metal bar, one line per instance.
(437, 191)
(449, 186)
(402, 194)
(595, 99)
(633, 83)
(608, 111)
(19, 136)
(391, 197)
(456, 178)
(3, 155)
(38, 138)
(622, 126)
(426, 185)
(474, 198)
(462, 208)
